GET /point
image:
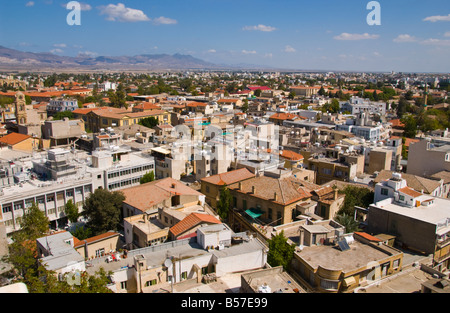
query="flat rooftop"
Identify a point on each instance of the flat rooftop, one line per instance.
(275, 278)
(332, 258)
(436, 213)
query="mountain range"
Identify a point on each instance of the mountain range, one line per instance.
(16, 60)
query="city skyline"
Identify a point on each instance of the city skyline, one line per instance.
(414, 36)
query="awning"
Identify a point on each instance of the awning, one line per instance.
(254, 213)
(349, 281)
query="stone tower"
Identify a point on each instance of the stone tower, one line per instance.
(21, 108)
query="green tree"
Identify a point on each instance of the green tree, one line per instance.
(280, 251)
(149, 122)
(61, 115)
(82, 232)
(355, 196)
(224, 203)
(410, 127)
(22, 250)
(148, 177)
(322, 91)
(118, 97)
(348, 222)
(71, 211)
(291, 95)
(102, 210)
(245, 106)
(34, 223)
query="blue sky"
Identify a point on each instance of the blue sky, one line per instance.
(414, 36)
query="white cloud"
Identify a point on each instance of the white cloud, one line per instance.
(164, 20)
(405, 38)
(211, 51)
(268, 55)
(87, 54)
(436, 42)
(122, 14)
(83, 6)
(437, 18)
(289, 49)
(54, 51)
(29, 4)
(260, 27)
(447, 34)
(248, 52)
(347, 36)
(60, 45)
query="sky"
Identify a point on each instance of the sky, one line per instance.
(412, 35)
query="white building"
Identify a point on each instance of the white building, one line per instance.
(51, 180)
(62, 105)
(358, 105)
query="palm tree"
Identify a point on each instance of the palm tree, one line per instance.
(348, 222)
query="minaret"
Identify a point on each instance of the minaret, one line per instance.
(426, 97)
(20, 107)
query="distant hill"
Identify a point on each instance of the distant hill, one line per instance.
(11, 59)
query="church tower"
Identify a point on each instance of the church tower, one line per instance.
(21, 108)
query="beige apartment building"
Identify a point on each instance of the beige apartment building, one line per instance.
(344, 167)
(426, 158)
(326, 268)
(267, 200)
(212, 186)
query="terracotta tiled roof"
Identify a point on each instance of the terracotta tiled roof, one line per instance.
(229, 178)
(147, 106)
(283, 116)
(410, 192)
(13, 138)
(87, 110)
(323, 191)
(288, 190)
(196, 104)
(413, 181)
(291, 155)
(191, 221)
(80, 243)
(367, 236)
(228, 100)
(144, 197)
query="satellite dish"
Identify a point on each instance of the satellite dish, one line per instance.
(168, 263)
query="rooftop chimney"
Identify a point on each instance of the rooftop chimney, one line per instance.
(253, 189)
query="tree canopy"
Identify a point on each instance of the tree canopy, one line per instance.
(224, 203)
(102, 210)
(148, 177)
(280, 251)
(355, 196)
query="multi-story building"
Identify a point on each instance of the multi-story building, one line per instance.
(214, 184)
(63, 175)
(265, 200)
(362, 260)
(62, 132)
(61, 105)
(418, 221)
(358, 105)
(336, 165)
(211, 254)
(428, 157)
(114, 117)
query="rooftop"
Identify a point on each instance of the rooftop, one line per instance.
(436, 213)
(332, 258)
(229, 178)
